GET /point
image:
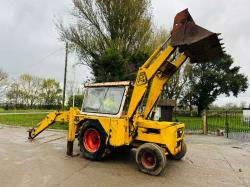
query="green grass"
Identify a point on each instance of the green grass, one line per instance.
(23, 110)
(28, 120)
(192, 123)
(235, 123)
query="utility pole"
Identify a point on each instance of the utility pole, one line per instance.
(74, 83)
(65, 74)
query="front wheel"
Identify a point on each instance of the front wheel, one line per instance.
(150, 159)
(92, 141)
(182, 153)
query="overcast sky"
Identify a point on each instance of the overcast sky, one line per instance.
(30, 41)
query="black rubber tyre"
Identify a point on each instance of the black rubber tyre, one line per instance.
(181, 154)
(99, 151)
(150, 159)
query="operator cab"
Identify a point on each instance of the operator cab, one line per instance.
(105, 99)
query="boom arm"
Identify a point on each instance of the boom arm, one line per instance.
(51, 118)
(145, 74)
(65, 116)
(160, 79)
(193, 41)
(152, 76)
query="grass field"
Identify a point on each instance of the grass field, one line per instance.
(192, 123)
(235, 123)
(23, 111)
(27, 120)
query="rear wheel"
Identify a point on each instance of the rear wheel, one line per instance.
(150, 159)
(182, 153)
(92, 141)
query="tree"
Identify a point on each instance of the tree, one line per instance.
(24, 91)
(30, 87)
(209, 80)
(109, 67)
(78, 101)
(111, 30)
(231, 106)
(3, 82)
(73, 89)
(13, 93)
(177, 83)
(51, 92)
(243, 104)
(29, 91)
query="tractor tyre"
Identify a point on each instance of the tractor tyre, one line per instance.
(182, 153)
(92, 140)
(151, 159)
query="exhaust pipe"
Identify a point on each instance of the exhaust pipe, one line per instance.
(199, 44)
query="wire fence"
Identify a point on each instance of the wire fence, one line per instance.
(231, 124)
(228, 123)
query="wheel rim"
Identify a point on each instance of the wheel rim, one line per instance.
(148, 160)
(91, 140)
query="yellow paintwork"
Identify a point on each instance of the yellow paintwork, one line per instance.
(148, 70)
(133, 128)
(116, 129)
(167, 136)
(72, 123)
(47, 121)
(159, 81)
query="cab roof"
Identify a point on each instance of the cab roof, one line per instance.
(107, 84)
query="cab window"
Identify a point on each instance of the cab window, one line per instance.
(106, 100)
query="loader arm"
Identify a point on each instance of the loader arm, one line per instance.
(152, 76)
(159, 80)
(145, 75)
(192, 41)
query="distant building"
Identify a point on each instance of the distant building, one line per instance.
(246, 115)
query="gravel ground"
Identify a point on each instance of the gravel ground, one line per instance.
(210, 161)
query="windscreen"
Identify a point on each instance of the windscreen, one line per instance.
(105, 100)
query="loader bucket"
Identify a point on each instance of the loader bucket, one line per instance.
(199, 44)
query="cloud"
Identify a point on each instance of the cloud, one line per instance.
(30, 41)
(228, 17)
(30, 44)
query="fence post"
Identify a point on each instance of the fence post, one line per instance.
(226, 124)
(204, 122)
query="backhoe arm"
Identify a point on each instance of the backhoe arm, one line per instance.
(51, 118)
(65, 116)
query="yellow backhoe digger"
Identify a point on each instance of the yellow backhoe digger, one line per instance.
(120, 114)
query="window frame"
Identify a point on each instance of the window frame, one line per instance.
(122, 103)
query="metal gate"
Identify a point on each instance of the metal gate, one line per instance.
(230, 124)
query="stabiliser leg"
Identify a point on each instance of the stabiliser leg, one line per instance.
(71, 131)
(70, 146)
